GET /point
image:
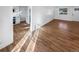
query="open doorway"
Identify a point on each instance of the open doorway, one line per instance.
(21, 26)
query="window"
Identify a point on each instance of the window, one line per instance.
(63, 11)
(76, 9)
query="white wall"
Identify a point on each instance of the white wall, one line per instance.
(75, 14)
(41, 15)
(24, 14)
(17, 15)
(6, 26)
(71, 16)
(63, 17)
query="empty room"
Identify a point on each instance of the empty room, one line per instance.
(57, 28)
(39, 28)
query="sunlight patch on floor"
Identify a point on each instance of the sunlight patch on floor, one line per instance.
(32, 43)
(21, 42)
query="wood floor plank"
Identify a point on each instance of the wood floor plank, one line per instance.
(55, 36)
(60, 35)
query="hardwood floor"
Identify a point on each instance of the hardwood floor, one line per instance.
(19, 31)
(58, 36)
